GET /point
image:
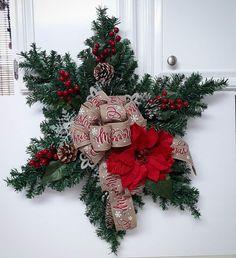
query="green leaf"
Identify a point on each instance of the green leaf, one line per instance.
(54, 172)
(162, 188)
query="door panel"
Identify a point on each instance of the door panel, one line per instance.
(201, 34)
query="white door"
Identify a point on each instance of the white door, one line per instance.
(201, 35)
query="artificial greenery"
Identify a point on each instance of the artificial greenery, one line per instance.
(41, 78)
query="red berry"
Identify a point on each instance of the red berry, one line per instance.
(118, 38)
(97, 45)
(59, 93)
(111, 43)
(62, 73)
(71, 91)
(77, 87)
(164, 101)
(43, 162)
(95, 51)
(172, 107)
(150, 101)
(158, 98)
(65, 93)
(39, 155)
(171, 101)
(179, 101)
(45, 152)
(68, 83)
(116, 29)
(113, 50)
(37, 165)
(111, 33)
(106, 51)
(61, 78)
(98, 60)
(102, 56)
(185, 103)
(164, 93)
(32, 163)
(179, 106)
(66, 75)
(49, 155)
(163, 106)
(55, 157)
(52, 150)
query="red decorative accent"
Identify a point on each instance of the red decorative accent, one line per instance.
(111, 33)
(164, 93)
(163, 106)
(113, 50)
(42, 158)
(68, 83)
(116, 29)
(185, 103)
(149, 156)
(118, 38)
(97, 45)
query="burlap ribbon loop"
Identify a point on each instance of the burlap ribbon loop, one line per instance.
(103, 123)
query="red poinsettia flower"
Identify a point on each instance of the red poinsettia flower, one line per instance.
(148, 156)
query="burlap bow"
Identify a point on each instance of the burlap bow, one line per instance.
(103, 123)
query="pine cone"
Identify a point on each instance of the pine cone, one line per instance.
(67, 153)
(108, 215)
(103, 72)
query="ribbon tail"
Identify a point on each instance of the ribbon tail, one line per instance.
(121, 203)
(181, 152)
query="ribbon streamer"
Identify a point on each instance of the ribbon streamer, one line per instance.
(103, 123)
(181, 152)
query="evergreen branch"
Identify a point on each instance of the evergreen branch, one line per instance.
(92, 196)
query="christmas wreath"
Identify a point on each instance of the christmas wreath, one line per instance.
(119, 134)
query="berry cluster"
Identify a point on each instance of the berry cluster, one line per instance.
(169, 103)
(43, 157)
(70, 90)
(109, 49)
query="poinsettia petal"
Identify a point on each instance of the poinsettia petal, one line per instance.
(138, 136)
(158, 162)
(152, 138)
(162, 177)
(116, 167)
(153, 173)
(139, 177)
(165, 139)
(135, 178)
(127, 156)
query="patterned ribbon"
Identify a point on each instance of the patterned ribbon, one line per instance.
(181, 152)
(103, 123)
